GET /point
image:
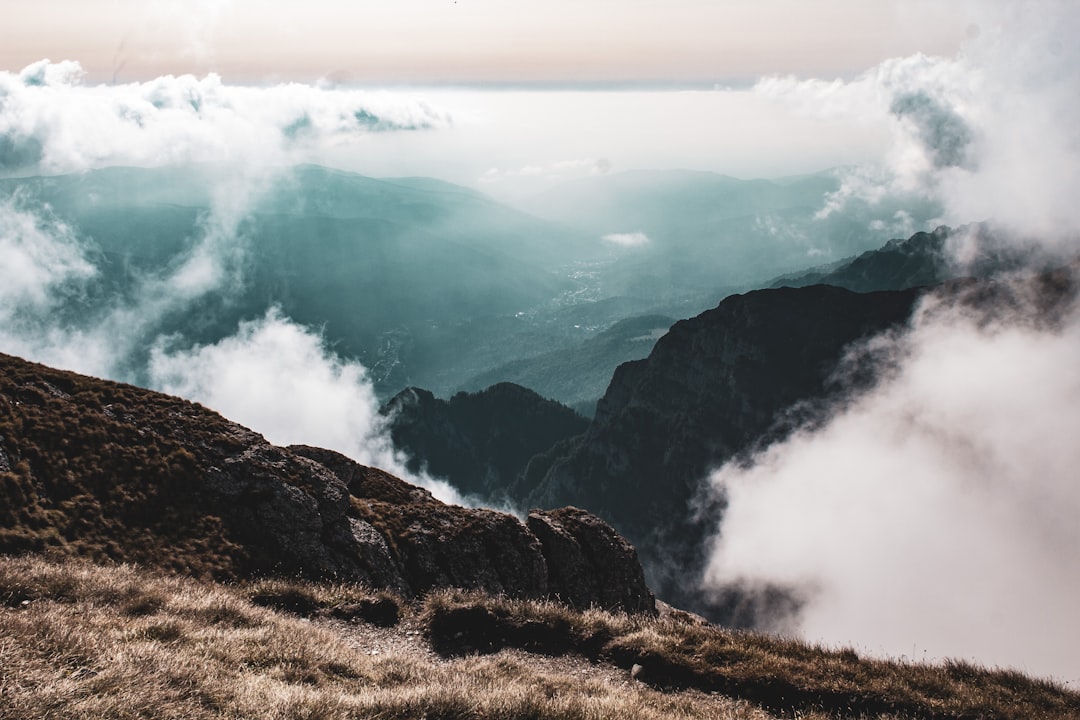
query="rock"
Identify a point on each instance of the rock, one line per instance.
(110, 471)
(589, 564)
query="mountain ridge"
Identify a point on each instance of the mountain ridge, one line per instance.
(114, 473)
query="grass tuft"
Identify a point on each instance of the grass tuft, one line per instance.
(82, 641)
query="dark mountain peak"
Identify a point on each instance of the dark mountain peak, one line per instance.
(480, 441)
(112, 472)
(711, 387)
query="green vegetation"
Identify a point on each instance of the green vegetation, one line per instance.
(88, 641)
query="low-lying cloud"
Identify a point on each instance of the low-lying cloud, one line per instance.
(634, 239)
(934, 515)
(52, 123)
(273, 375)
(278, 377)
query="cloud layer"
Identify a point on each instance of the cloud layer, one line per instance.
(934, 515)
(989, 132)
(50, 122)
(278, 377)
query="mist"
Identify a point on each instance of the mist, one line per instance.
(273, 374)
(934, 515)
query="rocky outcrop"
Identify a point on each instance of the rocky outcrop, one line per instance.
(437, 545)
(113, 472)
(589, 563)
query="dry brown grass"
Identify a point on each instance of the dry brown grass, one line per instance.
(85, 641)
(785, 676)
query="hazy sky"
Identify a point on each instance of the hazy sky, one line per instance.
(468, 41)
(512, 144)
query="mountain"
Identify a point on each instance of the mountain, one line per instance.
(577, 375)
(923, 259)
(711, 387)
(480, 442)
(423, 281)
(110, 472)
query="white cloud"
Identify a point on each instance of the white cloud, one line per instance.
(933, 516)
(40, 256)
(50, 122)
(560, 170)
(634, 239)
(278, 378)
(990, 133)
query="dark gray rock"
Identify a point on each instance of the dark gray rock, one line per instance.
(589, 564)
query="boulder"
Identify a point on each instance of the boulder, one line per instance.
(589, 564)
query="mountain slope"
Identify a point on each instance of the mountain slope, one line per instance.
(923, 259)
(414, 277)
(85, 641)
(711, 387)
(111, 472)
(577, 375)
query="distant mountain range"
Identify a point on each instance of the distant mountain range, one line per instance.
(406, 275)
(431, 284)
(706, 230)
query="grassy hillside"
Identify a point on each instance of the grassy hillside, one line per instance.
(87, 641)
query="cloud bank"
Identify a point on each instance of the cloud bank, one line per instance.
(934, 515)
(51, 123)
(278, 377)
(988, 133)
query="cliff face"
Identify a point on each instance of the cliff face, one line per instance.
(713, 386)
(112, 472)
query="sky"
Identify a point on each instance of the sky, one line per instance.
(477, 41)
(686, 69)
